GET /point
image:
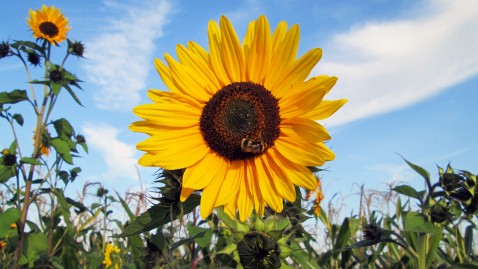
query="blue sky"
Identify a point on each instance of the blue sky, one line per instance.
(409, 69)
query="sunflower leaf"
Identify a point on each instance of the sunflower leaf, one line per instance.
(13, 97)
(158, 215)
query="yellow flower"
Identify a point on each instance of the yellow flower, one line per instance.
(240, 118)
(109, 250)
(2, 244)
(48, 23)
(319, 196)
(13, 226)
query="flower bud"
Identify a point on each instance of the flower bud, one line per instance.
(259, 250)
(33, 58)
(4, 50)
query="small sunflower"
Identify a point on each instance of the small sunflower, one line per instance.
(110, 259)
(48, 23)
(241, 119)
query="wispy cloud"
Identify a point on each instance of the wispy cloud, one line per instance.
(388, 65)
(118, 156)
(121, 56)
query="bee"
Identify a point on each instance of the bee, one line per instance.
(252, 146)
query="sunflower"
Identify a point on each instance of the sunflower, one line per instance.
(48, 23)
(240, 119)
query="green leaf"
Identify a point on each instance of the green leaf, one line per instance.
(433, 245)
(63, 149)
(344, 235)
(7, 218)
(158, 215)
(407, 191)
(36, 243)
(75, 97)
(63, 128)
(416, 222)
(126, 207)
(202, 241)
(303, 258)
(13, 97)
(229, 249)
(187, 240)
(55, 87)
(6, 172)
(64, 208)
(424, 173)
(469, 241)
(30, 161)
(232, 224)
(18, 118)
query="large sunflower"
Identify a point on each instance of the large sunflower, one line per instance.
(48, 23)
(240, 119)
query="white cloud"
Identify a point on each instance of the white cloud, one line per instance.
(394, 173)
(120, 58)
(119, 156)
(389, 65)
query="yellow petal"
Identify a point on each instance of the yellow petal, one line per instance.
(298, 174)
(231, 206)
(260, 52)
(200, 68)
(178, 114)
(162, 97)
(215, 56)
(299, 151)
(231, 50)
(173, 154)
(187, 80)
(309, 130)
(267, 188)
(185, 193)
(296, 72)
(244, 202)
(230, 184)
(283, 55)
(325, 109)
(166, 76)
(200, 174)
(279, 179)
(305, 97)
(278, 36)
(211, 191)
(254, 190)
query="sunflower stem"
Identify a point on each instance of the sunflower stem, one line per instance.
(35, 155)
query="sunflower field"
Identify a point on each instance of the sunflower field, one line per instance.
(239, 155)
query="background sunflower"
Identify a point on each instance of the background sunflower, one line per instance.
(48, 23)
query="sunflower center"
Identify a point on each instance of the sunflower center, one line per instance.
(241, 121)
(49, 29)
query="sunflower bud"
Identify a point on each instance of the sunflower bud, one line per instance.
(76, 48)
(259, 250)
(33, 58)
(450, 181)
(439, 214)
(101, 192)
(56, 76)
(9, 159)
(80, 139)
(372, 232)
(4, 50)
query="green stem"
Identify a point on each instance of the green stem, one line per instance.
(422, 250)
(35, 155)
